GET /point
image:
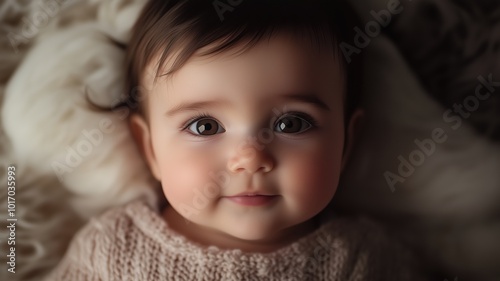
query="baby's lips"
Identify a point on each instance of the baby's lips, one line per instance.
(252, 200)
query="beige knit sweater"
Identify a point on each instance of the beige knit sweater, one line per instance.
(134, 243)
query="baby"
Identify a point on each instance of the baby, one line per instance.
(245, 113)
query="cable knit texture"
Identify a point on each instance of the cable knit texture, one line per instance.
(134, 243)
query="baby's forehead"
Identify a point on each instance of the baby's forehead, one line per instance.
(282, 49)
(265, 72)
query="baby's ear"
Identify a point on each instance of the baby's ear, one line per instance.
(142, 136)
(352, 133)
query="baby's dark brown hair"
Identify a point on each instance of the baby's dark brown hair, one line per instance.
(186, 26)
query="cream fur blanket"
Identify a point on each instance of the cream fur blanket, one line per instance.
(73, 162)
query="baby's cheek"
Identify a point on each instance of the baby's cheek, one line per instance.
(184, 179)
(311, 178)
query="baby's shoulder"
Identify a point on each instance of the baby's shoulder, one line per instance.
(108, 246)
(363, 234)
(122, 220)
(372, 249)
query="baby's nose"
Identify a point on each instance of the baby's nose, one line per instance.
(251, 159)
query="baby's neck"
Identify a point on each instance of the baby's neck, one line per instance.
(205, 236)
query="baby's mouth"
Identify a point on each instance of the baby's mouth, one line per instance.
(252, 199)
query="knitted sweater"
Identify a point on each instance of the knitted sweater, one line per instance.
(133, 242)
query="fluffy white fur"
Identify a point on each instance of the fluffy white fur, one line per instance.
(447, 208)
(52, 128)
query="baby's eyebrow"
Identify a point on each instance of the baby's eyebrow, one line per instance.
(307, 98)
(198, 105)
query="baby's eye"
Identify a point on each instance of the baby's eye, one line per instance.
(292, 124)
(205, 127)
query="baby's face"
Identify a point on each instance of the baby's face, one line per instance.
(273, 125)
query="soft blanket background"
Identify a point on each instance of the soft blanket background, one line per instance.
(427, 59)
